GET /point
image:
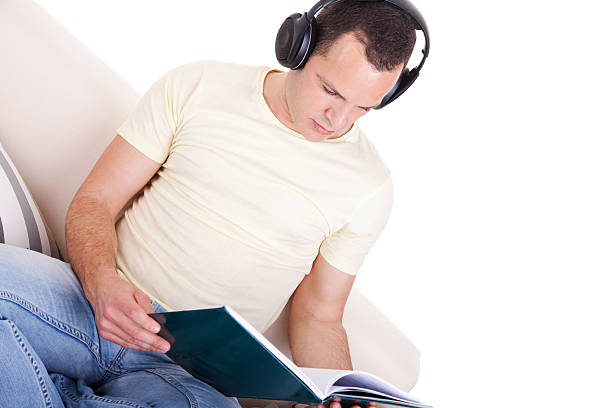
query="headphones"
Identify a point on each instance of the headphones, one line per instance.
(297, 36)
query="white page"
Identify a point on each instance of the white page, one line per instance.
(361, 380)
(338, 381)
(324, 378)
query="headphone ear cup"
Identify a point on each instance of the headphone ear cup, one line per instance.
(295, 41)
(285, 39)
(406, 79)
(307, 44)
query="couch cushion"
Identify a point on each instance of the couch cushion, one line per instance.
(60, 107)
(21, 223)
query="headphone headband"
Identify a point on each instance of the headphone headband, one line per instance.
(296, 40)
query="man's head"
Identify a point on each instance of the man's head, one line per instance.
(361, 50)
(387, 32)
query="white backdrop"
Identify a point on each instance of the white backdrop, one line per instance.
(496, 256)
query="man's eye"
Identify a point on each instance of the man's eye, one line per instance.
(329, 91)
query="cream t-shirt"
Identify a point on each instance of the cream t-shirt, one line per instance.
(241, 205)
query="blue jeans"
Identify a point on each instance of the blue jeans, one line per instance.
(52, 356)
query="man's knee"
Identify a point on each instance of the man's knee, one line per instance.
(20, 264)
(36, 289)
(25, 272)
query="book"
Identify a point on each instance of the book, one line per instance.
(219, 347)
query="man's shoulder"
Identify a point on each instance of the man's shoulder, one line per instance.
(211, 70)
(219, 69)
(370, 157)
(218, 78)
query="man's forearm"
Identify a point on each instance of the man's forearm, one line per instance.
(91, 240)
(319, 344)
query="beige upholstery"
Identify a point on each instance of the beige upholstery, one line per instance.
(60, 106)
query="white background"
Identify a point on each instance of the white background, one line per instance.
(495, 260)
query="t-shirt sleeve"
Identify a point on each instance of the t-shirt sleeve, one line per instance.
(346, 248)
(153, 124)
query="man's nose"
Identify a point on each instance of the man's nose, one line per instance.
(338, 114)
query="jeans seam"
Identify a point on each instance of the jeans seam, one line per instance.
(75, 398)
(193, 403)
(41, 381)
(59, 325)
(115, 367)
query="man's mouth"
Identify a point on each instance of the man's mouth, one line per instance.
(322, 130)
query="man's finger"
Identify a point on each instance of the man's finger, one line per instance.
(152, 341)
(121, 337)
(117, 340)
(143, 300)
(139, 315)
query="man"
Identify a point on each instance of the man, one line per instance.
(243, 186)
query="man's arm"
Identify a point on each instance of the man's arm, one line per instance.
(120, 309)
(316, 335)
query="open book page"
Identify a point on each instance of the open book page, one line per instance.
(368, 382)
(344, 382)
(324, 378)
(283, 358)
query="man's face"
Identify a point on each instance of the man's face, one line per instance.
(334, 90)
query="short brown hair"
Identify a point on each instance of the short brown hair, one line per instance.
(387, 32)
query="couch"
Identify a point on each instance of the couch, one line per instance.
(60, 106)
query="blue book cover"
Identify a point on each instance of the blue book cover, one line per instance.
(218, 346)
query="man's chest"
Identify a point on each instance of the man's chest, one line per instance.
(281, 191)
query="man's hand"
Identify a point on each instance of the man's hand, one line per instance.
(121, 315)
(335, 403)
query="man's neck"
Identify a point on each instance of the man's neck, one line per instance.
(275, 97)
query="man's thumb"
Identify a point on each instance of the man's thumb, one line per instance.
(143, 301)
